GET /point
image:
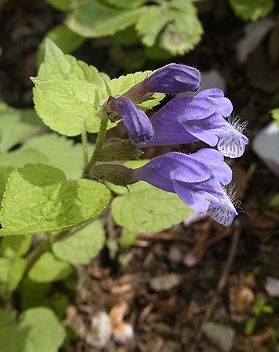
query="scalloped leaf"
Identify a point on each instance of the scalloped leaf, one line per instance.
(16, 125)
(83, 246)
(39, 199)
(126, 4)
(48, 269)
(92, 18)
(252, 10)
(275, 115)
(38, 329)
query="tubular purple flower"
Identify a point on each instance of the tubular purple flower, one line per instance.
(173, 79)
(202, 117)
(169, 79)
(138, 124)
(198, 179)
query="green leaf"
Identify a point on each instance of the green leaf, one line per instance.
(11, 272)
(151, 21)
(181, 35)
(67, 107)
(275, 115)
(146, 208)
(62, 5)
(59, 152)
(83, 246)
(21, 157)
(92, 18)
(38, 330)
(126, 4)
(252, 9)
(120, 85)
(4, 175)
(58, 66)
(38, 199)
(16, 125)
(48, 268)
(61, 35)
(15, 246)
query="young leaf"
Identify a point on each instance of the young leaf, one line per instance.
(252, 10)
(92, 18)
(83, 246)
(15, 246)
(146, 208)
(38, 199)
(126, 4)
(38, 330)
(48, 269)
(67, 107)
(11, 272)
(21, 157)
(61, 35)
(59, 152)
(4, 175)
(120, 85)
(151, 21)
(16, 125)
(181, 35)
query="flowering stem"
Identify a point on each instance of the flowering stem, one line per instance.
(85, 147)
(99, 143)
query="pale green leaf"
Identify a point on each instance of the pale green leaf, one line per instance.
(58, 66)
(11, 272)
(61, 5)
(120, 85)
(83, 246)
(21, 157)
(38, 330)
(38, 199)
(67, 107)
(126, 4)
(13, 246)
(252, 9)
(275, 115)
(62, 36)
(4, 175)
(181, 35)
(151, 21)
(16, 125)
(92, 18)
(146, 208)
(48, 268)
(59, 152)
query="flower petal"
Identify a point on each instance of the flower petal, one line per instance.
(138, 124)
(173, 79)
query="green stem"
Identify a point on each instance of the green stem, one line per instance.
(85, 148)
(99, 143)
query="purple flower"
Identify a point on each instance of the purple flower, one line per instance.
(189, 119)
(138, 124)
(169, 79)
(198, 179)
(173, 79)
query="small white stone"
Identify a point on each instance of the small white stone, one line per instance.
(266, 146)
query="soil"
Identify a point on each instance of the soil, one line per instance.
(168, 303)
